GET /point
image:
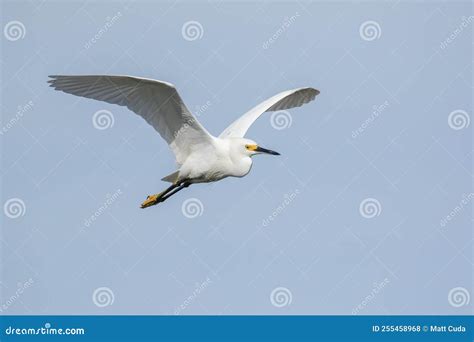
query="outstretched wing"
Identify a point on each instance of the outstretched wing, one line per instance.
(157, 102)
(284, 100)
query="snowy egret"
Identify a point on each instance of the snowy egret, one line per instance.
(201, 157)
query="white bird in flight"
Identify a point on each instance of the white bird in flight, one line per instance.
(201, 157)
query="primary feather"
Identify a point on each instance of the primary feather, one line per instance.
(157, 102)
(284, 100)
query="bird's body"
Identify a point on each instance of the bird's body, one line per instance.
(201, 157)
(219, 160)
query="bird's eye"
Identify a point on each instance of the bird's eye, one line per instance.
(247, 147)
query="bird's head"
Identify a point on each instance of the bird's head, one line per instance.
(249, 148)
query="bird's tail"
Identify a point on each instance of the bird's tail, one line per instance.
(172, 178)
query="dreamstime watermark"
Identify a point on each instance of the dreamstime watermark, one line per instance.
(281, 120)
(18, 293)
(103, 296)
(192, 30)
(103, 119)
(465, 22)
(110, 198)
(109, 22)
(201, 109)
(370, 30)
(14, 30)
(458, 119)
(370, 208)
(459, 296)
(466, 199)
(47, 329)
(281, 297)
(287, 200)
(14, 208)
(287, 22)
(189, 123)
(199, 288)
(21, 111)
(192, 208)
(376, 289)
(376, 111)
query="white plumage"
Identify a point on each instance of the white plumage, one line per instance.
(201, 157)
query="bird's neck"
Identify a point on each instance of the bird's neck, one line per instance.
(242, 166)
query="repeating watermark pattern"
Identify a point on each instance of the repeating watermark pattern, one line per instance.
(376, 289)
(281, 120)
(192, 30)
(370, 208)
(376, 111)
(287, 200)
(281, 297)
(465, 22)
(458, 119)
(18, 293)
(192, 208)
(287, 22)
(21, 111)
(201, 109)
(457, 209)
(459, 296)
(199, 288)
(14, 208)
(14, 30)
(370, 30)
(103, 296)
(109, 22)
(110, 198)
(190, 122)
(103, 119)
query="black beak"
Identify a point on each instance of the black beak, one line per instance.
(264, 150)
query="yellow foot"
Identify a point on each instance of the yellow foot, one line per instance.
(151, 200)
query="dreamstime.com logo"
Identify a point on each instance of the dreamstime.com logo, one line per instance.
(192, 30)
(192, 208)
(14, 208)
(459, 296)
(14, 30)
(47, 329)
(102, 297)
(281, 297)
(281, 120)
(370, 208)
(370, 30)
(103, 119)
(458, 119)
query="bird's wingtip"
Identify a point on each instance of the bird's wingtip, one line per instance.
(52, 80)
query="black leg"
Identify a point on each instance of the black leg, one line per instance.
(181, 187)
(171, 187)
(155, 199)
